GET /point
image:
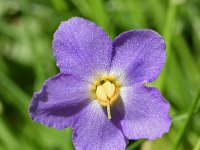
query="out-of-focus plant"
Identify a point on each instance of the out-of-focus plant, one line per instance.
(26, 60)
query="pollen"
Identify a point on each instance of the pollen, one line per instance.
(106, 91)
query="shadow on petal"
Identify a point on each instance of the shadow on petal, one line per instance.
(117, 112)
(41, 105)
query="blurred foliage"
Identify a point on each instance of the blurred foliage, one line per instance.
(26, 60)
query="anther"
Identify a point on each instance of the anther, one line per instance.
(107, 94)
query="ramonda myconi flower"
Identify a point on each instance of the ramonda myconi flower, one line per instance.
(100, 91)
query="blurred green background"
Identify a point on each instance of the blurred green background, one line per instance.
(26, 60)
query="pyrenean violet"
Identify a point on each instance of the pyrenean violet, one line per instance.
(100, 90)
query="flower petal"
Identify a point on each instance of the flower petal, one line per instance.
(59, 101)
(81, 48)
(139, 55)
(93, 130)
(146, 113)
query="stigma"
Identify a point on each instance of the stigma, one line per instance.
(106, 91)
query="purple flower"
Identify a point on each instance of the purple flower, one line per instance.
(100, 90)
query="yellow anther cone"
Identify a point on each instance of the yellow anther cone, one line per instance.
(101, 93)
(109, 89)
(104, 93)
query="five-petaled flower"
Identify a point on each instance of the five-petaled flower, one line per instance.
(100, 90)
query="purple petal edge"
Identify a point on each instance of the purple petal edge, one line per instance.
(146, 113)
(94, 131)
(138, 56)
(59, 101)
(79, 43)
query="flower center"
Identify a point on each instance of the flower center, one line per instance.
(106, 92)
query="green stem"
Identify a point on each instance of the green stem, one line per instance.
(7, 137)
(135, 145)
(167, 33)
(21, 98)
(185, 125)
(38, 63)
(197, 147)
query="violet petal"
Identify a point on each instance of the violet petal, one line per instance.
(59, 101)
(139, 55)
(93, 130)
(146, 113)
(81, 48)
